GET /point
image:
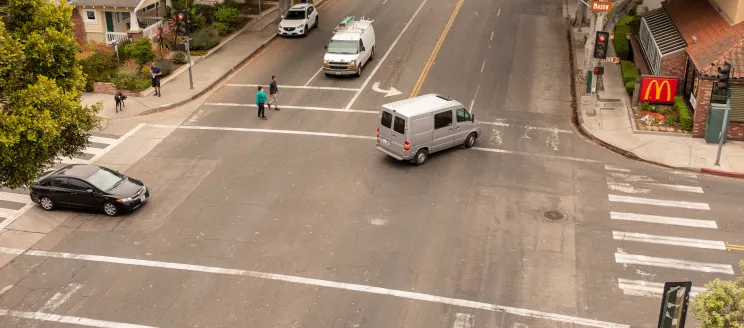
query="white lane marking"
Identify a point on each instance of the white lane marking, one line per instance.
(492, 35)
(67, 160)
(41, 316)
(300, 107)
(388, 93)
(615, 168)
(15, 215)
(5, 289)
(631, 177)
(472, 102)
(663, 220)
(60, 297)
(624, 258)
(308, 133)
(499, 13)
(101, 140)
(384, 2)
(625, 187)
(318, 72)
(497, 137)
(483, 66)
(464, 320)
(566, 158)
(553, 141)
(659, 202)
(6, 212)
(686, 174)
(117, 142)
(504, 124)
(320, 283)
(93, 151)
(666, 240)
(647, 288)
(295, 87)
(379, 64)
(15, 198)
(677, 187)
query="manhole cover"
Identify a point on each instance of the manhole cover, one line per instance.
(554, 215)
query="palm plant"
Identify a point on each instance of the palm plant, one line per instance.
(162, 41)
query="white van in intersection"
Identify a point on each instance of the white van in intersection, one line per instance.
(351, 47)
(412, 129)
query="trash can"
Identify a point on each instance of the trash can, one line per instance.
(714, 123)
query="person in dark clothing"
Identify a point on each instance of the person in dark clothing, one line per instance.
(273, 93)
(260, 101)
(156, 73)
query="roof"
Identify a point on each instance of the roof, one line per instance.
(106, 3)
(422, 104)
(81, 171)
(301, 6)
(715, 40)
(662, 29)
(347, 35)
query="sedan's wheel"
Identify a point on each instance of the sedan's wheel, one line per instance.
(470, 141)
(421, 156)
(46, 203)
(110, 209)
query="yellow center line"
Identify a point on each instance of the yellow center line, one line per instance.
(427, 67)
(733, 247)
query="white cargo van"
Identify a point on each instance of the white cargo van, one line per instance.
(351, 47)
(412, 129)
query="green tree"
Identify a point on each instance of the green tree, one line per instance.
(41, 85)
(721, 305)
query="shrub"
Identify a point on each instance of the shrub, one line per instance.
(222, 29)
(227, 16)
(140, 50)
(645, 107)
(622, 46)
(206, 38)
(628, 71)
(179, 57)
(127, 78)
(206, 11)
(166, 67)
(685, 121)
(630, 87)
(97, 61)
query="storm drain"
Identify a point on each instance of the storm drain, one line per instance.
(554, 216)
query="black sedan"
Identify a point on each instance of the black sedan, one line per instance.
(89, 187)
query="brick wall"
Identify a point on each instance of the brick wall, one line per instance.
(674, 65)
(79, 26)
(735, 131)
(110, 89)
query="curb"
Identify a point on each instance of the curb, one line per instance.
(578, 125)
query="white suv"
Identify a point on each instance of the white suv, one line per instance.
(299, 20)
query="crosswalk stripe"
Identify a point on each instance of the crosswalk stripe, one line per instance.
(615, 168)
(666, 240)
(647, 288)
(73, 161)
(15, 198)
(464, 320)
(626, 187)
(686, 174)
(631, 177)
(93, 151)
(5, 212)
(663, 220)
(102, 140)
(659, 202)
(678, 187)
(625, 258)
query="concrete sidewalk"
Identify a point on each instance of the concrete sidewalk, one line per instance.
(207, 71)
(607, 117)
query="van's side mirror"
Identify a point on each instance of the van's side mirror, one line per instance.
(325, 47)
(282, 16)
(472, 118)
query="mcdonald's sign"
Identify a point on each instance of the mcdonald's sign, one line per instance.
(658, 89)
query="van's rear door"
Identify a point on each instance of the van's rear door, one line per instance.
(385, 129)
(398, 137)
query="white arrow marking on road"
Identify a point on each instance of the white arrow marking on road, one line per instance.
(389, 93)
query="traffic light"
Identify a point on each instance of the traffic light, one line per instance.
(724, 74)
(182, 18)
(601, 43)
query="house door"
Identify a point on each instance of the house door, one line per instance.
(110, 22)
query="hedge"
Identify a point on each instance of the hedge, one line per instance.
(622, 46)
(685, 121)
(628, 71)
(630, 87)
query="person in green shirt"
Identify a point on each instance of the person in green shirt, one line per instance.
(260, 102)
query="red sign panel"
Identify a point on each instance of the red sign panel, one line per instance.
(658, 89)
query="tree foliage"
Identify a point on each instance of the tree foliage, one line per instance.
(721, 305)
(41, 85)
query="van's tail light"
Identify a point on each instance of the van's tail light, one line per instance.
(378, 133)
(406, 146)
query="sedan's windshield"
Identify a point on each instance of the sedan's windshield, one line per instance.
(105, 179)
(295, 14)
(343, 47)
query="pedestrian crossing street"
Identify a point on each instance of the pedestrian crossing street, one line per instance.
(652, 222)
(13, 203)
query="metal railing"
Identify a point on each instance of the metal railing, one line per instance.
(149, 21)
(116, 37)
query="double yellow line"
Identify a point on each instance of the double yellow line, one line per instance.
(733, 247)
(427, 67)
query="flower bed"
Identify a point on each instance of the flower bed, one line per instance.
(664, 118)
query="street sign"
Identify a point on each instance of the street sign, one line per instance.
(601, 6)
(655, 89)
(674, 304)
(615, 60)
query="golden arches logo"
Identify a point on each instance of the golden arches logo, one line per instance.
(659, 89)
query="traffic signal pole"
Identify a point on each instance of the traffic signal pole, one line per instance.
(183, 17)
(726, 74)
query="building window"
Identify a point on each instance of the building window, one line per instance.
(90, 16)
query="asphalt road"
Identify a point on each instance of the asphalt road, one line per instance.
(298, 221)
